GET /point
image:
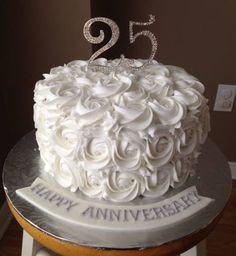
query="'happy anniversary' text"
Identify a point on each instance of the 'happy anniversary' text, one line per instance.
(118, 214)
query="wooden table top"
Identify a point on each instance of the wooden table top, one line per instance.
(68, 249)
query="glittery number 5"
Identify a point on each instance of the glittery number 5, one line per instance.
(147, 33)
(96, 40)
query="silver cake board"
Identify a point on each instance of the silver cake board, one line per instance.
(213, 180)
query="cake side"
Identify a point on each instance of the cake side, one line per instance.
(121, 134)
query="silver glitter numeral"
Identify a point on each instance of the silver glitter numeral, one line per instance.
(96, 40)
(147, 33)
(114, 37)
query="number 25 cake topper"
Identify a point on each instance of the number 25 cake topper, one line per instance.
(114, 38)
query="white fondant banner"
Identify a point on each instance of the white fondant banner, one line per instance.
(70, 208)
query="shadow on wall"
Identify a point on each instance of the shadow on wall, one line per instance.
(4, 146)
(37, 35)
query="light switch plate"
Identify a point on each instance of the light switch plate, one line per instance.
(225, 97)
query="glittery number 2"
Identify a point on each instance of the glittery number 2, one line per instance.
(147, 33)
(96, 40)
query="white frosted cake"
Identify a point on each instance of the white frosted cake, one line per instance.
(121, 134)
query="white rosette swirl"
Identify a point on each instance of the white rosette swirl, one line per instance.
(123, 186)
(187, 139)
(128, 149)
(158, 182)
(189, 97)
(156, 81)
(96, 153)
(135, 94)
(92, 183)
(160, 149)
(181, 168)
(46, 149)
(66, 139)
(91, 110)
(168, 111)
(63, 172)
(111, 85)
(133, 115)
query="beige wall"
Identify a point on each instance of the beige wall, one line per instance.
(197, 35)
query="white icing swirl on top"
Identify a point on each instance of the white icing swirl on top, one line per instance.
(121, 134)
